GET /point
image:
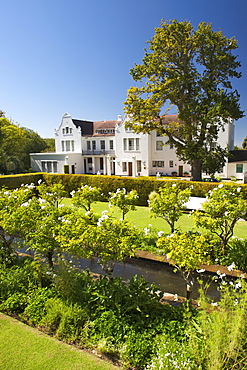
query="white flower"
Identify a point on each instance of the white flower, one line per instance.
(238, 190)
(201, 270)
(231, 267)
(238, 285)
(146, 231)
(220, 186)
(160, 233)
(214, 304)
(40, 181)
(104, 212)
(175, 297)
(173, 185)
(87, 213)
(24, 204)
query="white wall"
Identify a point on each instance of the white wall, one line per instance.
(131, 156)
(74, 135)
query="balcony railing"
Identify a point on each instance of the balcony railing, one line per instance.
(98, 152)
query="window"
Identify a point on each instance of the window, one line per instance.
(49, 168)
(94, 145)
(67, 144)
(66, 130)
(124, 166)
(54, 167)
(171, 146)
(159, 145)
(102, 144)
(90, 164)
(70, 130)
(170, 164)
(139, 166)
(111, 144)
(88, 145)
(158, 163)
(137, 144)
(125, 144)
(62, 146)
(63, 131)
(131, 143)
(239, 168)
(72, 145)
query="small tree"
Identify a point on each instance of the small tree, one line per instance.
(187, 252)
(110, 240)
(85, 196)
(12, 221)
(168, 203)
(124, 201)
(224, 206)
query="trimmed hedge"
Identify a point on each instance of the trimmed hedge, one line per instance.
(15, 181)
(143, 185)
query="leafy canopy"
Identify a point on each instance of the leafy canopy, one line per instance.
(224, 206)
(191, 70)
(169, 203)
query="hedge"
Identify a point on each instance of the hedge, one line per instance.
(143, 185)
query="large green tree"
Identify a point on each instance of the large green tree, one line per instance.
(191, 69)
(16, 143)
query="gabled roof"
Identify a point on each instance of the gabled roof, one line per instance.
(86, 127)
(237, 156)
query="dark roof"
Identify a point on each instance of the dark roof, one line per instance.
(86, 127)
(237, 156)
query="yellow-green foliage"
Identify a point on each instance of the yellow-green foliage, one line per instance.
(143, 185)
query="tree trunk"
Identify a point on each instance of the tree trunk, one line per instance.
(196, 170)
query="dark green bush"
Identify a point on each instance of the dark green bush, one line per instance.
(35, 310)
(15, 181)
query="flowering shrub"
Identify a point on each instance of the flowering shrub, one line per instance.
(85, 196)
(124, 201)
(187, 252)
(224, 206)
(168, 203)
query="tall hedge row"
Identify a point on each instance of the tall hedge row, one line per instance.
(143, 185)
(15, 181)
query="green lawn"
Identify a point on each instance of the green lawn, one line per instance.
(141, 218)
(25, 348)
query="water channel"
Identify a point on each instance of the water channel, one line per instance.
(160, 273)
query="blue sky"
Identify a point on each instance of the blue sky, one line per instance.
(74, 56)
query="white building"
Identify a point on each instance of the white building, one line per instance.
(108, 148)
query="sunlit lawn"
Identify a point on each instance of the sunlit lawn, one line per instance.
(141, 218)
(22, 347)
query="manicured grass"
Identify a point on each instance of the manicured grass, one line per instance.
(25, 348)
(141, 218)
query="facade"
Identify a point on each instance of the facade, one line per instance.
(109, 148)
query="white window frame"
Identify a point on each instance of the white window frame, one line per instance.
(159, 145)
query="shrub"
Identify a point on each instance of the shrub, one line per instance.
(64, 320)
(35, 310)
(236, 253)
